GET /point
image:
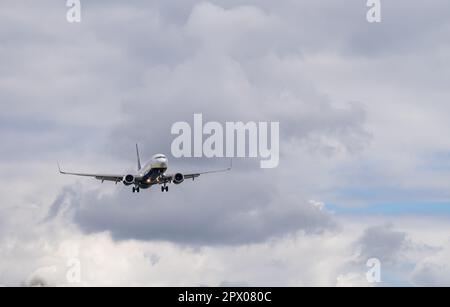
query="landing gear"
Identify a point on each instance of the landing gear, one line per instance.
(164, 188)
(136, 190)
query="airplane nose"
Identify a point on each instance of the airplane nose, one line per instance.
(163, 162)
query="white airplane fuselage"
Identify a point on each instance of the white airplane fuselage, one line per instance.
(151, 172)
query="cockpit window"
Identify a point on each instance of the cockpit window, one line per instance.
(159, 157)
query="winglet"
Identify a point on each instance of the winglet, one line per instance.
(59, 168)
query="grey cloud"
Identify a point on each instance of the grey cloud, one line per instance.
(60, 205)
(229, 87)
(383, 242)
(144, 57)
(153, 258)
(36, 281)
(207, 212)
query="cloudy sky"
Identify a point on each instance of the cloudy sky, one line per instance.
(364, 149)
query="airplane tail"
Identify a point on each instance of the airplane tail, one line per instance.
(138, 158)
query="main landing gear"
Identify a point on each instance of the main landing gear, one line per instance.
(136, 190)
(164, 188)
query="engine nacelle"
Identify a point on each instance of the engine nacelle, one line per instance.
(178, 178)
(128, 180)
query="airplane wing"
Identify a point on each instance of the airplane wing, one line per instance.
(102, 177)
(195, 175)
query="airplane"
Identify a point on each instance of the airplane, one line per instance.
(152, 173)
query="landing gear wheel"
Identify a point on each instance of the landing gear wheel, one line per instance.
(134, 190)
(165, 188)
(138, 190)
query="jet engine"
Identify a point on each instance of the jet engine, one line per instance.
(178, 178)
(128, 179)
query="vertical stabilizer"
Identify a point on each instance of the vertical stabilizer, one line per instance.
(138, 158)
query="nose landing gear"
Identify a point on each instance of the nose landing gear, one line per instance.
(136, 190)
(164, 188)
